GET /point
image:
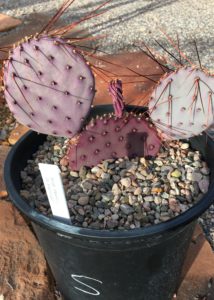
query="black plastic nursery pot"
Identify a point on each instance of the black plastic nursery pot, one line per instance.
(138, 264)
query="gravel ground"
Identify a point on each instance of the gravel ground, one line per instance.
(128, 21)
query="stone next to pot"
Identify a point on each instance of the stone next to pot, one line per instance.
(122, 193)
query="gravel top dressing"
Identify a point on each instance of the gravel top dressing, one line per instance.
(123, 193)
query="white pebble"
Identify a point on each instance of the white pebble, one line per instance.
(115, 189)
(74, 174)
(126, 182)
(148, 198)
(185, 146)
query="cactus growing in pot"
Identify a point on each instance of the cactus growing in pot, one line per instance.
(131, 187)
(58, 101)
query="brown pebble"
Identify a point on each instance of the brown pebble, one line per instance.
(64, 162)
(17, 133)
(156, 190)
(3, 194)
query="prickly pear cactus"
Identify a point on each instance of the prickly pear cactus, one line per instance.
(181, 105)
(110, 137)
(49, 86)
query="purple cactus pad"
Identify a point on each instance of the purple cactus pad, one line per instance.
(182, 104)
(49, 86)
(110, 137)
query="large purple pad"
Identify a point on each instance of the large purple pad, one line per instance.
(182, 104)
(49, 87)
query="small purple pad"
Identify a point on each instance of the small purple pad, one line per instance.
(110, 137)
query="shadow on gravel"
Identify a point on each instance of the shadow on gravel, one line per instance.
(131, 14)
(197, 56)
(89, 6)
(17, 4)
(76, 13)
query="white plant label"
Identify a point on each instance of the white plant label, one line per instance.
(54, 189)
(86, 288)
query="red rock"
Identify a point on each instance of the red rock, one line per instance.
(198, 269)
(16, 133)
(3, 194)
(24, 273)
(136, 93)
(64, 162)
(3, 153)
(7, 22)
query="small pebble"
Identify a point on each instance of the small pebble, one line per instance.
(83, 200)
(3, 134)
(108, 196)
(74, 174)
(116, 190)
(4, 194)
(157, 200)
(126, 209)
(116, 178)
(159, 163)
(184, 146)
(86, 185)
(176, 174)
(96, 170)
(196, 176)
(105, 176)
(204, 185)
(205, 171)
(126, 182)
(138, 191)
(148, 198)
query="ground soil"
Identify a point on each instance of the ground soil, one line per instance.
(24, 274)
